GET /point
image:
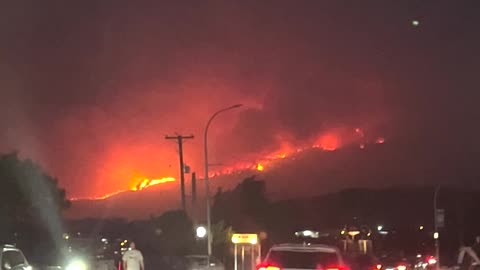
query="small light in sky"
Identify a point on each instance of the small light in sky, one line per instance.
(415, 23)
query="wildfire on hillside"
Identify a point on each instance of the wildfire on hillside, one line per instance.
(327, 142)
(146, 183)
(259, 167)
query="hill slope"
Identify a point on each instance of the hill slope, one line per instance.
(311, 173)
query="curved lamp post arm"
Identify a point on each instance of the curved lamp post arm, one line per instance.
(207, 185)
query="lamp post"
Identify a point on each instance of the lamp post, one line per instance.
(207, 184)
(435, 226)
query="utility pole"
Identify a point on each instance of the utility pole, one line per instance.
(180, 139)
(436, 234)
(194, 198)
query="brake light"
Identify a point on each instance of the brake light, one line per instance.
(432, 260)
(268, 267)
(378, 267)
(335, 268)
(401, 267)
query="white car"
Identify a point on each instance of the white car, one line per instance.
(303, 256)
(12, 258)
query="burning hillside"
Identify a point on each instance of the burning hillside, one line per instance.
(326, 142)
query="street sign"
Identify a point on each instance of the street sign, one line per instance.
(244, 238)
(440, 218)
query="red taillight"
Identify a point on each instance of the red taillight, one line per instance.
(432, 260)
(336, 268)
(401, 267)
(268, 267)
(378, 267)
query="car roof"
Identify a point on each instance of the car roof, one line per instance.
(305, 248)
(197, 256)
(8, 247)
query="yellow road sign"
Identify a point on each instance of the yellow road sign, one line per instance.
(245, 238)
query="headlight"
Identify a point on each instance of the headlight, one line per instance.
(76, 265)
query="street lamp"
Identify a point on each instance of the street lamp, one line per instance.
(201, 232)
(435, 225)
(207, 184)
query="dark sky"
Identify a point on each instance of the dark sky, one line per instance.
(90, 88)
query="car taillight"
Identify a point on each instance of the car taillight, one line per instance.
(401, 267)
(335, 268)
(267, 267)
(432, 260)
(378, 267)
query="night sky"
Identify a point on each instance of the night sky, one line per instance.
(89, 89)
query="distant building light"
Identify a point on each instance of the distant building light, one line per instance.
(436, 235)
(342, 232)
(307, 233)
(383, 232)
(353, 233)
(379, 227)
(421, 228)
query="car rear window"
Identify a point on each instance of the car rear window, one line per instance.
(13, 258)
(198, 261)
(302, 259)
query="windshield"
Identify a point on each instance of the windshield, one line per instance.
(302, 260)
(13, 258)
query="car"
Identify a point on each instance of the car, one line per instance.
(395, 263)
(12, 258)
(201, 262)
(303, 256)
(364, 262)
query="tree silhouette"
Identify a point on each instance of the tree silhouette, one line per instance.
(30, 199)
(244, 208)
(170, 234)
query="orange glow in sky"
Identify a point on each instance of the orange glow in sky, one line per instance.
(328, 142)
